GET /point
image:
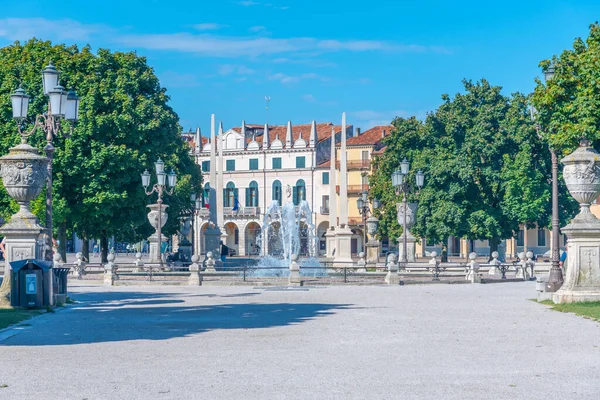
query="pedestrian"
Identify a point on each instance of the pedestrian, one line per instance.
(224, 251)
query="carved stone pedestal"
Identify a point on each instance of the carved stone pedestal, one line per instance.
(330, 238)
(294, 278)
(582, 276)
(343, 245)
(411, 247)
(372, 253)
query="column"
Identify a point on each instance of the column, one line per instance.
(343, 234)
(330, 234)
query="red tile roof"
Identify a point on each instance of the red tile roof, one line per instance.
(323, 132)
(369, 137)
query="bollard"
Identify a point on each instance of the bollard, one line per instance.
(195, 277)
(434, 266)
(494, 264)
(521, 267)
(210, 262)
(531, 263)
(294, 279)
(139, 264)
(361, 263)
(110, 271)
(473, 274)
(79, 265)
(392, 277)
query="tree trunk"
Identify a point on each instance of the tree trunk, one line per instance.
(494, 242)
(103, 249)
(85, 249)
(62, 237)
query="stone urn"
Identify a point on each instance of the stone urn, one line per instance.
(411, 215)
(153, 215)
(372, 226)
(582, 276)
(24, 172)
(581, 173)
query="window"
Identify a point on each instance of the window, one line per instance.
(277, 195)
(541, 237)
(230, 166)
(206, 194)
(520, 238)
(325, 178)
(365, 155)
(325, 202)
(237, 236)
(365, 181)
(299, 192)
(277, 163)
(205, 166)
(230, 195)
(252, 195)
(300, 162)
(253, 164)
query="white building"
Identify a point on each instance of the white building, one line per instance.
(259, 164)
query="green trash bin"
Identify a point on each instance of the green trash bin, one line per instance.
(31, 283)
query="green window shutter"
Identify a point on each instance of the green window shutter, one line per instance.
(248, 199)
(325, 178)
(225, 198)
(253, 164)
(235, 195)
(300, 162)
(295, 195)
(277, 163)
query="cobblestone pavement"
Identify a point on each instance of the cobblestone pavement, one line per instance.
(340, 342)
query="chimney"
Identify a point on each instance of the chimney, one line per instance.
(383, 133)
(356, 132)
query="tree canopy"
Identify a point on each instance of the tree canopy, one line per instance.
(486, 168)
(125, 125)
(568, 106)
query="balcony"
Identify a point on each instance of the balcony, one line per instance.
(353, 189)
(229, 212)
(324, 210)
(355, 221)
(355, 164)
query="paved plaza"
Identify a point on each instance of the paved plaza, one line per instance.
(341, 342)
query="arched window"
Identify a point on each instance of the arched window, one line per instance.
(299, 191)
(230, 195)
(206, 194)
(252, 195)
(277, 195)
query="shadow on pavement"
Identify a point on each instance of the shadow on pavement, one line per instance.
(128, 316)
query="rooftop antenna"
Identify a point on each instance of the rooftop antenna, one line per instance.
(267, 103)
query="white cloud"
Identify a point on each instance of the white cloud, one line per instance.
(247, 3)
(174, 79)
(211, 26)
(283, 78)
(309, 97)
(229, 69)
(221, 46)
(65, 29)
(257, 28)
(370, 118)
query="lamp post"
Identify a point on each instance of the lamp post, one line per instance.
(555, 277)
(165, 184)
(196, 203)
(401, 185)
(364, 208)
(62, 105)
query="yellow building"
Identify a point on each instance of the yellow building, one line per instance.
(360, 150)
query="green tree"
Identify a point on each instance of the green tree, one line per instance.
(568, 106)
(476, 152)
(125, 125)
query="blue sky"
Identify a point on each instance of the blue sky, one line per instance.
(314, 59)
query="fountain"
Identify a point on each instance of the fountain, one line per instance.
(288, 231)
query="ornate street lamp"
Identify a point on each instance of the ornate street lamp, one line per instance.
(62, 104)
(402, 185)
(555, 277)
(364, 208)
(160, 188)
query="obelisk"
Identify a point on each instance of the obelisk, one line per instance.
(330, 234)
(220, 187)
(343, 234)
(212, 235)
